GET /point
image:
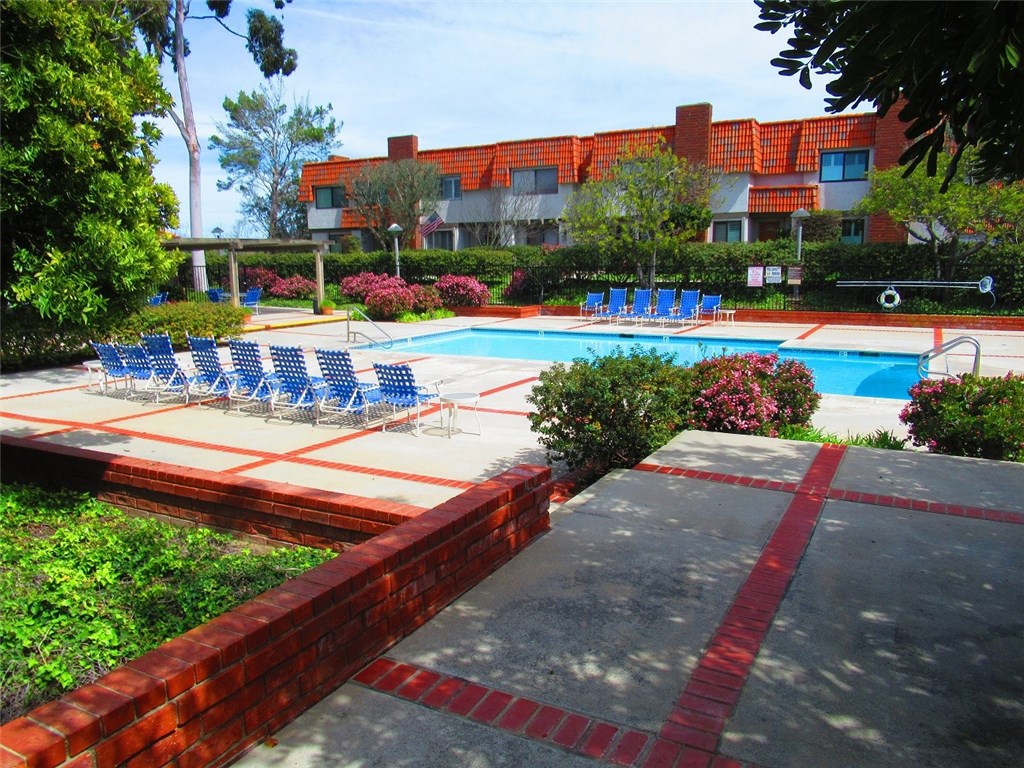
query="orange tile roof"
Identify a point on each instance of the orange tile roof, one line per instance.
(792, 146)
(782, 199)
(737, 146)
(609, 146)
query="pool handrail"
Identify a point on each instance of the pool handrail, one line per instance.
(925, 357)
(350, 335)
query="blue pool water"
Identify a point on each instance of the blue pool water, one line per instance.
(836, 372)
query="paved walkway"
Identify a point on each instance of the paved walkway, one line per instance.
(731, 601)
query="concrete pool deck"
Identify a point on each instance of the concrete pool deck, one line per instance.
(731, 601)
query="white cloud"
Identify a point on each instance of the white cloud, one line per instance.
(463, 73)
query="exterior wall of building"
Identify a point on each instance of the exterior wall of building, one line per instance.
(768, 170)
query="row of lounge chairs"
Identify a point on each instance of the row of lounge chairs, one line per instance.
(150, 370)
(668, 306)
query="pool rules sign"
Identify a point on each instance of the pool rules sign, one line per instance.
(759, 276)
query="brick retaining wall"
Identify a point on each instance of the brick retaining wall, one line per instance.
(259, 509)
(204, 698)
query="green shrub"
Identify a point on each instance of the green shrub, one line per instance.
(610, 411)
(979, 416)
(179, 318)
(85, 588)
(29, 341)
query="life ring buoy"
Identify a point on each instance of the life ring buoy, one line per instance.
(889, 298)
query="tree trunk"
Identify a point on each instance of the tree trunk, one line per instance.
(187, 126)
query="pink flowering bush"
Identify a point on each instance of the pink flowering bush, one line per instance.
(751, 394)
(425, 298)
(462, 291)
(295, 287)
(389, 301)
(358, 287)
(979, 416)
(261, 276)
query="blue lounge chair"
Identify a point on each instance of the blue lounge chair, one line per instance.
(211, 379)
(640, 308)
(216, 295)
(344, 392)
(112, 367)
(252, 298)
(689, 305)
(296, 389)
(664, 307)
(616, 305)
(253, 385)
(157, 299)
(139, 369)
(592, 305)
(398, 388)
(710, 305)
(169, 377)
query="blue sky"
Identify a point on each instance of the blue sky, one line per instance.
(464, 73)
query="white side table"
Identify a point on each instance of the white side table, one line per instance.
(727, 315)
(452, 400)
(94, 370)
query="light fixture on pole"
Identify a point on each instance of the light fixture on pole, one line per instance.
(799, 216)
(217, 232)
(396, 230)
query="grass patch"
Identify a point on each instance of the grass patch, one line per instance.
(880, 438)
(85, 588)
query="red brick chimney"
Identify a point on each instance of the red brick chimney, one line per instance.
(890, 141)
(693, 133)
(403, 147)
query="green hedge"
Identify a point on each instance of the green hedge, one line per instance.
(563, 274)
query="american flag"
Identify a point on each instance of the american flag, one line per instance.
(433, 222)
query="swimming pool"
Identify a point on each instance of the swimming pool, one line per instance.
(836, 372)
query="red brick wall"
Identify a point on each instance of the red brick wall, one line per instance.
(205, 697)
(257, 508)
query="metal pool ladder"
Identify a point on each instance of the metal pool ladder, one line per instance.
(924, 358)
(351, 335)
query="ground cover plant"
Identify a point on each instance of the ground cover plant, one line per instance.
(84, 588)
(978, 416)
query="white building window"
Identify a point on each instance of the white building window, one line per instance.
(451, 187)
(726, 231)
(535, 181)
(440, 239)
(844, 166)
(853, 231)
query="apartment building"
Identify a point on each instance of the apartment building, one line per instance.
(515, 191)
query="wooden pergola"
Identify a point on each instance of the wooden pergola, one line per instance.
(234, 246)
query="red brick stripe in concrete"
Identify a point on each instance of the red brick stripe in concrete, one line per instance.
(811, 331)
(839, 494)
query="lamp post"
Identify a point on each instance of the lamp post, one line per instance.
(799, 216)
(396, 230)
(217, 232)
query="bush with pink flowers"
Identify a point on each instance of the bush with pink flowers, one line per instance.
(462, 291)
(295, 287)
(979, 416)
(261, 276)
(751, 394)
(358, 287)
